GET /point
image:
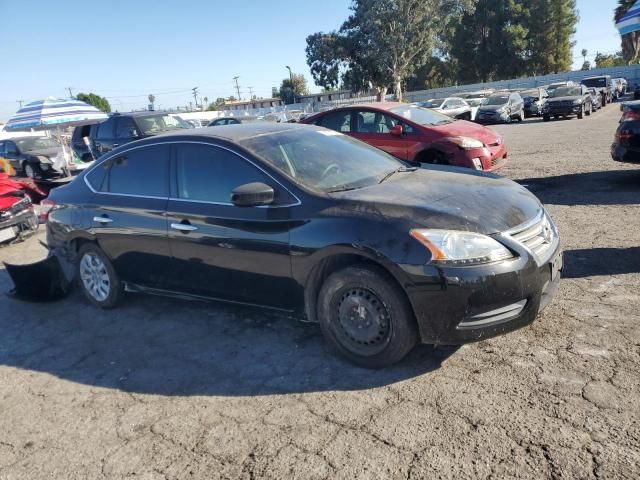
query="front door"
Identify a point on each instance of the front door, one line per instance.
(374, 128)
(220, 250)
(128, 213)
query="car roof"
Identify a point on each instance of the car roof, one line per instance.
(374, 105)
(233, 133)
(145, 113)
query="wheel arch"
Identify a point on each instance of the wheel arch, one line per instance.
(428, 154)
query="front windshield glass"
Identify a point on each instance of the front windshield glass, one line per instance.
(421, 116)
(433, 103)
(595, 82)
(36, 143)
(497, 100)
(322, 159)
(567, 92)
(153, 124)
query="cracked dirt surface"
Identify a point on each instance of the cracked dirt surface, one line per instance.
(168, 389)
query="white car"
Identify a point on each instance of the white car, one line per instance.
(453, 107)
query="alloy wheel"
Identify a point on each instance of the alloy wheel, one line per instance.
(95, 277)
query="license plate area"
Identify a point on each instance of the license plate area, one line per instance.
(556, 265)
(7, 234)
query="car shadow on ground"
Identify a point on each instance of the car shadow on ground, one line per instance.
(613, 187)
(156, 345)
(600, 261)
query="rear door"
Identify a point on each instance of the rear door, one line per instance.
(220, 250)
(128, 213)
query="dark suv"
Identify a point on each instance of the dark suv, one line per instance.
(501, 107)
(567, 101)
(603, 84)
(122, 128)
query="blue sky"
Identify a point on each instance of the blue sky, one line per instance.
(127, 49)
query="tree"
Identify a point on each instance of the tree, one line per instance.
(292, 87)
(275, 93)
(215, 105)
(382, 43)
(101, 103)
(586, 65)
(630, 41)
(604, 61)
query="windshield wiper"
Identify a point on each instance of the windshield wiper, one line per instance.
(397, 170)
(341, 189)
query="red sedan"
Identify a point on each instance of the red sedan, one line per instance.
(417, 134)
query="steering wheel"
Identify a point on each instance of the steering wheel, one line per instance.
(328, 170)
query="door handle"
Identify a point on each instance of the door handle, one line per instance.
(102, 220)
(116, 144)
(183, 227)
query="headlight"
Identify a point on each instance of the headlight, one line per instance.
(466, 142)
(456, 248)
(577, 102)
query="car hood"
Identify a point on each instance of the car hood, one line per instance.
(446, 198)
(44, 152)
(564, 99)
(468, 129)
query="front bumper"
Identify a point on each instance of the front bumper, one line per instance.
(568, 110)
(18, 225)
(492, 157)
(456, 305)
(491, 117)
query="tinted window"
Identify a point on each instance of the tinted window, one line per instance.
(210, 173)
(10, 147)
(140, 172)
(105, 129)
(1, 148)
(338, 121)
(125, 128)
(96, 176)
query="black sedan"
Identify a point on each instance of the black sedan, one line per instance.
(626, 143)
(34, 156)
(306, 220)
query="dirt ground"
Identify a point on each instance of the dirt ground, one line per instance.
(163, 388)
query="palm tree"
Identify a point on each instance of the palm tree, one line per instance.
(152, 99)
(584, 54)
(630, 41)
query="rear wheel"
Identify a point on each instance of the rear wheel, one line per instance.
(365, 317)
(546, 118)
(98, 279)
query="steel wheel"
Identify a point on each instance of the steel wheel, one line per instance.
(363, 321)
(95, 277)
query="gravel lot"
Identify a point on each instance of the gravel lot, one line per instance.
(163, 388)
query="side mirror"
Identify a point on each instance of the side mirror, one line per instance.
(252, 195)
(396, 130)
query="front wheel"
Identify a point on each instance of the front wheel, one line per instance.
(98, 279)
(546, 118)
(365, 317)
(587, 111)
(31, 170)
(581, 113)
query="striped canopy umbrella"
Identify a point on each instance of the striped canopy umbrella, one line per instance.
(53, 113)
(630, 21)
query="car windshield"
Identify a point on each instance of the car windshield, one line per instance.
(567, 92)
(322, 159)
(497, 100)
(421, 116)
(433, 103)
(36, 143)
(595, 82)
(153, 124)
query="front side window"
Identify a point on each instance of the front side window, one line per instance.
(125, 128)
(105, 129)
(143, 171)
(210, 174)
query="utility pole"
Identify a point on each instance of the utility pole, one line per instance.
(250, 93)
(70, 93)
(190, 106)
(20, 102)
(237, 86)
(195, 95)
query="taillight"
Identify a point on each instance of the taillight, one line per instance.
(46, 206)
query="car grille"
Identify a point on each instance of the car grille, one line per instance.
(16, 208)
(495, 161)
(540, 237)
(562, 104)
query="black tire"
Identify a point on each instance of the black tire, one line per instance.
(604, 100)
(581, 112)
(587, 111)
(114, 288)
(31, 170)
(521, 116)
(365, 317)
(546, 118)
(556, 117)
